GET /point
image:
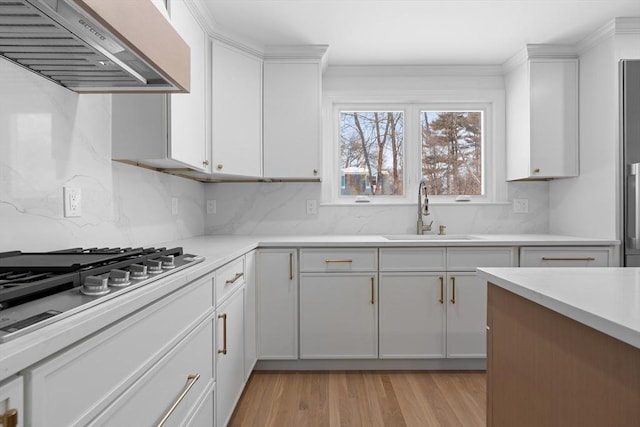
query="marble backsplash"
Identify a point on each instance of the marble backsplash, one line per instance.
(280, 209)
(51, 137)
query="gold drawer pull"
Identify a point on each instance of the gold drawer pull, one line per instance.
(9, 418)
(191, 380)
(236, 277)
(338, 260)
(587, 258)
(441, 300)
(224, 333)
(453, 290)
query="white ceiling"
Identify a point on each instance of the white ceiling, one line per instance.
(417, 32)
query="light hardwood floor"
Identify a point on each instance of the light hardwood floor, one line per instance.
(362, 398)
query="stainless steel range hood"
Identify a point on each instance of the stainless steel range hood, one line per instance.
(96, 45)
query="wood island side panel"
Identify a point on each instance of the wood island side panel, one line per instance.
(544, 369)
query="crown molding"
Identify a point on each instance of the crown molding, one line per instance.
(414, 70)
(540, 51)
(614, 27)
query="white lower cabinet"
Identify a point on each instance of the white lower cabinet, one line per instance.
(466, 315)
(250, 339)
(230, 377)
(145, 359)
(338, 316)
(277, 293)
(412, 315)
(11, 402)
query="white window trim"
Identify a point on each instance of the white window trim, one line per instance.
(411, 103)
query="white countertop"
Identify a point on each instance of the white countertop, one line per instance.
(218, 250)
(605, 299)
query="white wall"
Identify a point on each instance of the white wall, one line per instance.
(51, 137)
(589, 204)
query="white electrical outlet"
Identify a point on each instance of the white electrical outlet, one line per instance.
(72, 202)
(312, 207)
(211, 207)
(174, 206)
(520, 205)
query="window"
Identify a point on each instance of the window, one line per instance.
(371, 153)
(378, 151)
(452, 152)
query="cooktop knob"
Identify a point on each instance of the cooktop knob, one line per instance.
(119, 278)
(138, 271)
(95, 285)
(153, 266)
(167, 262)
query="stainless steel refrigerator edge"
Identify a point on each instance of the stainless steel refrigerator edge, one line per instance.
(630, 132)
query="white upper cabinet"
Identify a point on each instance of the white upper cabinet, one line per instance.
(292, 112)
(168, 131)
(541, 86)
(236, 111)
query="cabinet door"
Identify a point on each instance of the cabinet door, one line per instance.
(188, 111)
(338, 316)
(466, 316)
(236, 104)
(554, 118)
(277, 293)
(566, 256)
(412, 315)
(292, 130)
(229, 356)
(250, 314)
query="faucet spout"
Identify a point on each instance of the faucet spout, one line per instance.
(423, 206)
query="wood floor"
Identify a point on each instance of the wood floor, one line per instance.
(356, 398)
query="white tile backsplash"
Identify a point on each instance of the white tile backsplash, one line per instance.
(51, 137)
(280, 208)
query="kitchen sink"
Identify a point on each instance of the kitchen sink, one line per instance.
(431, 237)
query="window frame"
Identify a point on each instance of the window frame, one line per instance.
(490, 102)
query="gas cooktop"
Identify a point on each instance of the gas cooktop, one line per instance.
(39, 288)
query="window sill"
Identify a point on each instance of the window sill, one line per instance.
(405, 203)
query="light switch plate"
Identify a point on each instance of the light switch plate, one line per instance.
(211, 207)
(174, 206)
(312, 207)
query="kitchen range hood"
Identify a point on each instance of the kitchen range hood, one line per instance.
(104, 46)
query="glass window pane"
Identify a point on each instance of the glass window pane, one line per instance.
(371, 153)
(452, 152)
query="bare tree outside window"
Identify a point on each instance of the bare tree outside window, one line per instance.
(452, 152)
(371, 148)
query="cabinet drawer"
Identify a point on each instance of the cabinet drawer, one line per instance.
(71, 388)
(332, 260)
(187, 365)
(468, 259)
(229, 277)
(411, 259)
(565, 256)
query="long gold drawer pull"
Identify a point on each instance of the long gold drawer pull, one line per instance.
(441, 300)
(373, 292)
(236, 277)
(338, 260)
(224, 333)
(587, 258)
(191, 380)
(290, 266)
(453, 290)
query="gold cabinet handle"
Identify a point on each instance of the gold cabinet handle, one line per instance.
(441, 300)
(338, 260)
(191, 380)
(224, 333)
(453, 290)
(9, 418)
(373, 292)
(587, 258)
(236, 277)
(290, 266)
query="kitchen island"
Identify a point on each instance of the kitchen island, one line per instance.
(563, 346)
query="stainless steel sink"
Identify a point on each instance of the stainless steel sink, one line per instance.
(431, 237)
